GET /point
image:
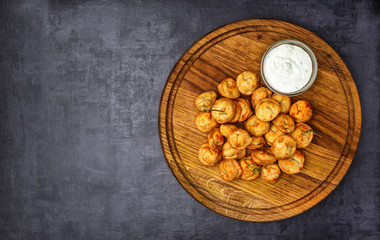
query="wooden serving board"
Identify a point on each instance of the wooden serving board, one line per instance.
(226, 52)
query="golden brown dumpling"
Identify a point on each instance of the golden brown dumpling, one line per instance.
(257, 142)
(292, 165)
(227, 88)
(246, 110)
(247, 82)
(205, 122)
(301, 111)
(230, 169)
(273, 134)
(260, 94)
(263, 156)
(284, 147)
(284, 122)
(250, 169)
(215, 139)
(256, 127)
(267, 109)
(303, 134)
(238, 112)
(229, 152)
(205, 100)
(284, 101)
(208, 156)
(223, 110)
(227, 129)
(239, 139)
(270, 173)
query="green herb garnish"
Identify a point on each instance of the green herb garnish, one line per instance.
(216, 110)
(307, 131)
(294, 160)
(253, 168)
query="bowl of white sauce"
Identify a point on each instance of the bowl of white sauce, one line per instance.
(289, 67)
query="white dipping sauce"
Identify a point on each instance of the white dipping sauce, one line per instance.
(287, 68)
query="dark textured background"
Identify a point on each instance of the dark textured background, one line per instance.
(80, 88)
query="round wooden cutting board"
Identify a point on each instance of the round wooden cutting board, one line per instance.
(336, 119)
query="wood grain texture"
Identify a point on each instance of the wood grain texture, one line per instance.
(226, 52)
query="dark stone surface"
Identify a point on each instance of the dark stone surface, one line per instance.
(80, 88)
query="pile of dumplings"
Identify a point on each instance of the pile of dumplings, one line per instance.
(248, 139)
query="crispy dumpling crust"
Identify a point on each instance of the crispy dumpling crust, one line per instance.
(230, 169)
(229, 152)
(247, 82)
(272, 134)
(240, 139)
(267, 109)
(284, 147)
(205, 100)
(256, 127)
(205, 122)
(250, 169)
(263, 156)
(238, 112)
(246, 110)
(227, 88)
(303, 134)
(257, 142)
(301, 111)
(294, 164)
(284, 122)
(208, 156)
(215, 139)
(227, 129)
(259, 94)
(223, 110)
(270, 173)
(284, 101)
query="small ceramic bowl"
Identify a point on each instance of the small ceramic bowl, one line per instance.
(313, 62)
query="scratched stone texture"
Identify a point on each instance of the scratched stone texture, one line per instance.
(80, 86)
